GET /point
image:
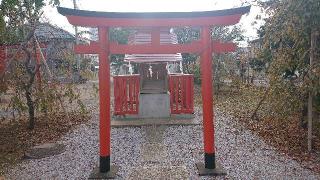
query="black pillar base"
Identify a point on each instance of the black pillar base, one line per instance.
(104, 164)
(111, 174)
(104, 170)
(210, 160)
(210, 167)
(217, 171)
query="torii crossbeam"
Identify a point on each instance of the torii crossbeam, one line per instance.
(205, 46)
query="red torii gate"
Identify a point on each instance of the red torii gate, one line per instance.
(155, 20)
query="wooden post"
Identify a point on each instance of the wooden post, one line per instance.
(207, 98)
(310, 104)
(104, 97)
(75, 6)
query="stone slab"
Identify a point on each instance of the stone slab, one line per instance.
(154, 105)
(218, 171)
(44, 150)
(112, 174)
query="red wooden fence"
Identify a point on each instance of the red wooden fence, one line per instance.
(181, 93)
(126, 94)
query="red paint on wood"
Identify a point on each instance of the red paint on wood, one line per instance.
(219, 47)
(171, 91)
(155, 36)
(191, 92)
(104, 92)
(93, 48)
(188, 92)
(193, 47)
(126, 93)
(206, 87)
(181, 100)
(155, 47)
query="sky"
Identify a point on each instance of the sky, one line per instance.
(55, 18)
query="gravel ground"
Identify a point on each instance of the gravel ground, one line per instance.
(242, 154)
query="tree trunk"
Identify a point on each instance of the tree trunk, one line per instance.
(310, 105)
(30, 108)
(264, 97)
(241, 73)
(248, 77)
(28, 87)
(75, 6)
(304, 113)
(310, 122)
(252, 77)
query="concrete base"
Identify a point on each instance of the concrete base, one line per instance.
(154, 105)
(133, 117)
(153, 121)
(202, 171)
(96, 174)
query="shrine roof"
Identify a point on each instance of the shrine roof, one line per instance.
(193, 14)
(153, 19)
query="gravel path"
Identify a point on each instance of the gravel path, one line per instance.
(165, 151)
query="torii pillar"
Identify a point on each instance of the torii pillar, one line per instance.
(105, 170)
(209, 167)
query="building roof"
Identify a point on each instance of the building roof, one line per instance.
(144, 37)
(47, 32)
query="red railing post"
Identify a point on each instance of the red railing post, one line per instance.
(137, 94)
(177, 93)
(115, 94)
(191, 94)
(171, 95)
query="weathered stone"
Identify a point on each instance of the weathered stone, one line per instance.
(44, 150)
